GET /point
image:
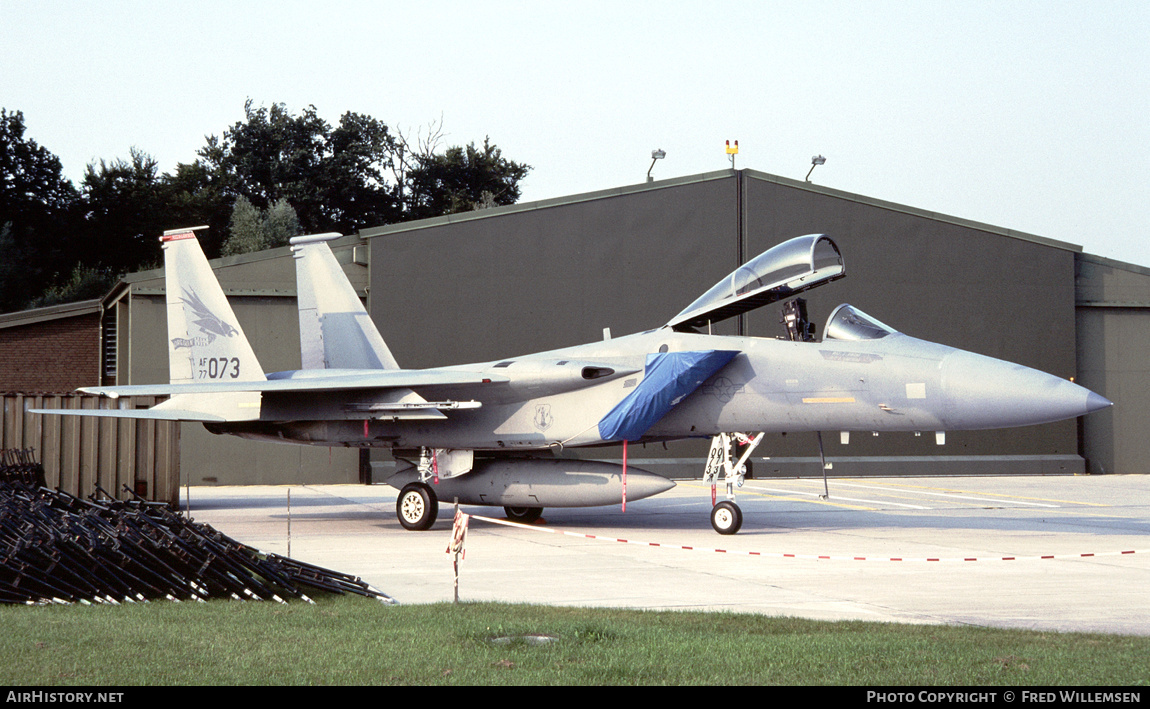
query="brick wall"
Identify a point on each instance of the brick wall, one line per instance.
(57, 355)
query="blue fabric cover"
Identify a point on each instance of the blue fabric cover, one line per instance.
(668, 377)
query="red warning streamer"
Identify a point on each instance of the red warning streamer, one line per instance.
(624, 474)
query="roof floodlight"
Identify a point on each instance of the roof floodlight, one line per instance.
(815, 162)
(655, 155)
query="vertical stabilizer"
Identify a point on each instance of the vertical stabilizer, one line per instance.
(205, 341)
(334, 328)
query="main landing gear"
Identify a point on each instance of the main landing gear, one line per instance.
(417, 505)
(726, 517)
(525, 515)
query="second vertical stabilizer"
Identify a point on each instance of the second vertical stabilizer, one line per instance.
(334, 328)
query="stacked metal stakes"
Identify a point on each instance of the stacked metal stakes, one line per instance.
(21, 465)
(57, 548)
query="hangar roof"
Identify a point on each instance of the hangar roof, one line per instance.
(1100, 282)
(261, 273)
(51, 312)
(706, 177)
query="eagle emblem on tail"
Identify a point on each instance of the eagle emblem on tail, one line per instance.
(205, 319)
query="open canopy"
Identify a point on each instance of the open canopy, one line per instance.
(791, 267)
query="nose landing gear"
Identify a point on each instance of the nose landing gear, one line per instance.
(726, 517)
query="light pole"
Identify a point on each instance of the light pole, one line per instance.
(655, 155)
(815, 162)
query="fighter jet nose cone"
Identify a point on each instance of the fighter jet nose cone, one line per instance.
(984, 392)
(1094, 402)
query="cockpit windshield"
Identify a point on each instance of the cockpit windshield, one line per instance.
(793, 266)
(849, 323)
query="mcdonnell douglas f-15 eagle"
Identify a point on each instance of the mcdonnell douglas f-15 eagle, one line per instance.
(468, 432)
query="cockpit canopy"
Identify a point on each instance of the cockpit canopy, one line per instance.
(849, 323)
(791, 267)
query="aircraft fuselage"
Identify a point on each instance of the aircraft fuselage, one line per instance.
(895, 383)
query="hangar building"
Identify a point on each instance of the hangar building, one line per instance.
(496, 283)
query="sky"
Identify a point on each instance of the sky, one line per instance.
(1031, 116)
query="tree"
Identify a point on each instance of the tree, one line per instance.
(13, 272)
(126, 205)
(358, 194)
(356, 175)
(32, 186)
(35, 210)
(333, 178)
(463, 179)
(265, 179)
(84, 283)
(123, 212)
(245, 230)
(280, 224)
(194, 195)
(254, 230)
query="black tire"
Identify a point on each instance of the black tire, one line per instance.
(726, 517)
(416, 507)
(526, 515)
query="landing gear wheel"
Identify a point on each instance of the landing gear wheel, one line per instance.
(416, 507)
(526, 515)
(726, 517)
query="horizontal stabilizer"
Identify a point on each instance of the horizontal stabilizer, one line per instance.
(371, 379)
(669, 378)
(218, 408)
(152, 414)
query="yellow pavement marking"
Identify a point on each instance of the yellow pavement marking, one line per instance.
(816, 501)
(997, 494)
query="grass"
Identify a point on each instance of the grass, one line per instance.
(356, 641)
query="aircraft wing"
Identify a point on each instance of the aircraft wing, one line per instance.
(221, 401)
(669, 378)
(323, 380)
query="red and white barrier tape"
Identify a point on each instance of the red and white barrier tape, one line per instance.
(458, 534)
(817, 557)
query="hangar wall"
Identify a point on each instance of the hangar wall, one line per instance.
(53, 349)
(509, 281)
(1113, 318)
(487, 285)
(946, 280)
